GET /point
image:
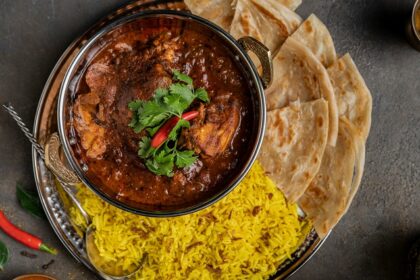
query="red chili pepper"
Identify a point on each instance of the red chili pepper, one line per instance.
(23, 237)
(163, 132)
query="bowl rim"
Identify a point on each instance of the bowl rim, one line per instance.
(416, 8)
(249, 67)
(24, 276)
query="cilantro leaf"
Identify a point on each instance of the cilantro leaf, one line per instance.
(173, 135)
(135, 105)
(160, 92)
(137, 127)
(162, 163)
(202, 94)
(145, 148)
(184, 91)
(169, 146)
(178, 76)
(134, 121)
(175, 103)
(151, 115)
(185, 158)
(152, 130)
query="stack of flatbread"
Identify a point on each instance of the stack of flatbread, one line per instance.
(318, 106)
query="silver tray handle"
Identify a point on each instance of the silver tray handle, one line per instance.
(67, 178)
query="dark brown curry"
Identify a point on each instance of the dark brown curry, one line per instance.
(135, 60)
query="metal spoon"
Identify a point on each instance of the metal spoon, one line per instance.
(68, 180)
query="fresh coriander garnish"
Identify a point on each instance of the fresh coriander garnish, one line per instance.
(163, 118)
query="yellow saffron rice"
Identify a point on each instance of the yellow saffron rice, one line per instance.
(246, 235)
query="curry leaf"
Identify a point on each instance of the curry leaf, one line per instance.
(29, 201)
(4, 255)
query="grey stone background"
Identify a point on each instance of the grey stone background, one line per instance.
(371, 241)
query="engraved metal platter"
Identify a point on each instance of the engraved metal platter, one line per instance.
(54, 201)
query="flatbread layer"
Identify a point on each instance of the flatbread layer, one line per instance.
(291, 4)
(332, 190)
(293, 146)
(218, 11)
(268, 21)
(315, 35)
(353, 97)
(299, 75)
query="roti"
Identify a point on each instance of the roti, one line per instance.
(315, 35)
(293, 145)
(291, 4)
(218, 11)
(353, 97)
(298, 75)
(315, 99)
(268, 21)
(331, 192)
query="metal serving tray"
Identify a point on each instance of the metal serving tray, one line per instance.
(53, 199)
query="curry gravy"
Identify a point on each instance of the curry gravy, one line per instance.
(131, 63)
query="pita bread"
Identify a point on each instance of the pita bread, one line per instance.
(218, 11)
(315, 35)
(331, 192)
(298, 75)
(293, 145)
(291, 4)
(353, 97)
(268, 21)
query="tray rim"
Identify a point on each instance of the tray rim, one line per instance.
(284, 271)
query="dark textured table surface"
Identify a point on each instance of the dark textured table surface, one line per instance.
(371, 241)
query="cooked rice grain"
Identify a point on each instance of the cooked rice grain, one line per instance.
(246, 235)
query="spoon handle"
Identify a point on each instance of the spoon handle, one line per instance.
(9, 109)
